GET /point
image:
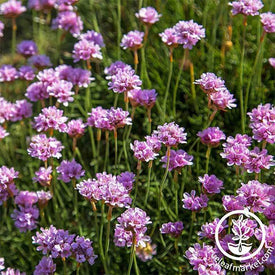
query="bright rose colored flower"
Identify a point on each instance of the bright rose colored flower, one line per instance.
(40, 61)
(208, 229)
(148, 15)
(27, 48)
(69, 170)
(268, 22)
(193, 203)
(3, 133)
(94, 37)
(76, 128)
(210, 83)
(8, 73)
(86, 50)
(132, 40)
(12, 8)
(174, 229)
(143, 151)
(26, 73)
(43, 176)
(45, 266)
(246, 7)
(211, 184)
(169, 37)
(211, 136)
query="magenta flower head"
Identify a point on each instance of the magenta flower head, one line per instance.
(268, 22)
(80, 77)
(51, 118)
(132, 40)
(211, 136)
(148, 15)
(68, 21)
(126, 179)
(7, 176)
(115, 67)
(86, 50)
(3, 133)
(62, 90)
(153, 142)
(40, 61)
(169, 37)
(2, 264)
(118, 118)
(43, 176)
(246, 7)
(272, 61)
(189, 33)
(2, 26)
(26, 198)
(208, 229)
(124, 81)
(43, 148)
(26, 73)
(43, 198)
(178, 160)
(231, 203)
(8, 73)
(143, 151)
(146, 253)
(12, 8)
(133, 96)
(98, 118)
(211, 184)
(37, 91)
(76, 128)
(174, 229)
(22, 109)
(94, 37)
(262, 121)
(170, 134)
(193, 203)
(48, 77)
(27, 48)
(147, 98)
(222, 100)
(45, 266)
(69, 170)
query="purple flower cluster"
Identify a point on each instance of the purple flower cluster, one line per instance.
(41, 5)
(143, 151)
(132, 40)
(40, 61)
(8, 73)
(211, 184)
(244, 227)
(46, 266)
(208, 229)
(69, 170)
(76, 128)
(12, 271)
(111, 190)
(193, 203)
(50, 118)
(43, 198)
(146, 253)
(27, 48)
(146, 98)
(115, 67)
(131, 228)
(12, 8)
(262, 123)
(26, 73)
(93, 36)
(43, 176)
(43, 148)
(174, 229)
(7, 176)
(210, 83)
(178, 159)
(169, 37)
(148, 15)
(246, 7)
(59, 243)
(268, 22)
(211, 136)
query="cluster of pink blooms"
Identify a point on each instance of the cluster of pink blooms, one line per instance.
(88, 47)
(8, 73)
(58, 243)
(76, 128)
(40, 61)
(169, 37)
(246, 7)
(12, 8)
(42, 147)
(268, 22)
(211, 136)
(112, 190)
(26, 73)
(146, 253)
(193, 202)
(262, 123)
(208, 229)
(41, 5)
(69, 170)
(3, 133)
(115, 67)
(43, 176)
(211, 184)
(14, 111)
(173, 229)
(132, 40)
(131, 228)
(219, 98)
(27, 48)
(45, 266)
(148, 15)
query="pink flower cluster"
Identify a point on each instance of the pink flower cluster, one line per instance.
(246, 7)
(193, 202)
(208, 229)
(12, 8)
(132, 40)
(211, 136)
(27, 48)
(43, 176)
(146, 98)
(174, 229)
(148, 15)
(211, 184)
(268, 22)
(69, 170)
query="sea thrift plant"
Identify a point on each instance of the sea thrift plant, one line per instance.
(148, 16)
(27, 48)
(268, 22)
(246, 7)
(12, 8)
(172, 229)
(193, 202)
(211, 184)
(69, 170)
(43, 176)
(211, 136)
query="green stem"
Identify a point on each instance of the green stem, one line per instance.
(167, 88)
(107, 243)
(148, 181)
(176, 192)
(115, 137)
(14, 28)
(136, 181)
(118, 28)
(64, 267)
(191, 227)
(135, 262)
(208, 152)
(131, 258)
(106, 150)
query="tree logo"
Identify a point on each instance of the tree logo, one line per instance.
(241, 245)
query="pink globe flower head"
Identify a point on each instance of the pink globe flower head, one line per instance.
(169, 37)
(63, 72)
(7, 192)
(174, 229)
(68, 21)
(37, 91)
(269, 212)
(170, 134)
(118, 118)
(27, 48)
(98, 118)
(222, 100)
(272, 61)
(62, 90)
(41, 5)
(43, 198)
(115, 67)
(76, 128)
(45, 266)
(2, 26)
(3, 133)
(22, 109)
(132, 40)
(193, 203)
(86, 50)
(26, 73)
(148, 16)
(43, 176)
(126, 179)
(146, 253)
(231, 203)
(69, 170)
(257, 195)
(43, 148)
(80, 77)
(147, 98)
(178, 160)
(51, 118)
(48, 77)
(211, 136)
(262, 123)
(153, 142)
(7, 110)
(40, 61)
(268, 22)
(258, 160)
(246, 7)
(208, 229)
(8, 73)
(134, 96)
(269, 235)
(211, 184)
(12, 8)
(94, 37)
(189, 33)
(7, 176)
(143, 151)
(26, 199)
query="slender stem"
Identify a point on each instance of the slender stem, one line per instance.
(149, 120)
(64, 266)
(207, 159)
(107, 242)
(126, 100)
(135, 59)
(118, 28)
(193, 217)
(238, 177)
(176, 192)
(106, 150)
(115, 137)
(14, 29)
(135, 262)
(75, 200)
(136, 181)
(193, 89)
(167, 87)
(131, 257)
(148, 181)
